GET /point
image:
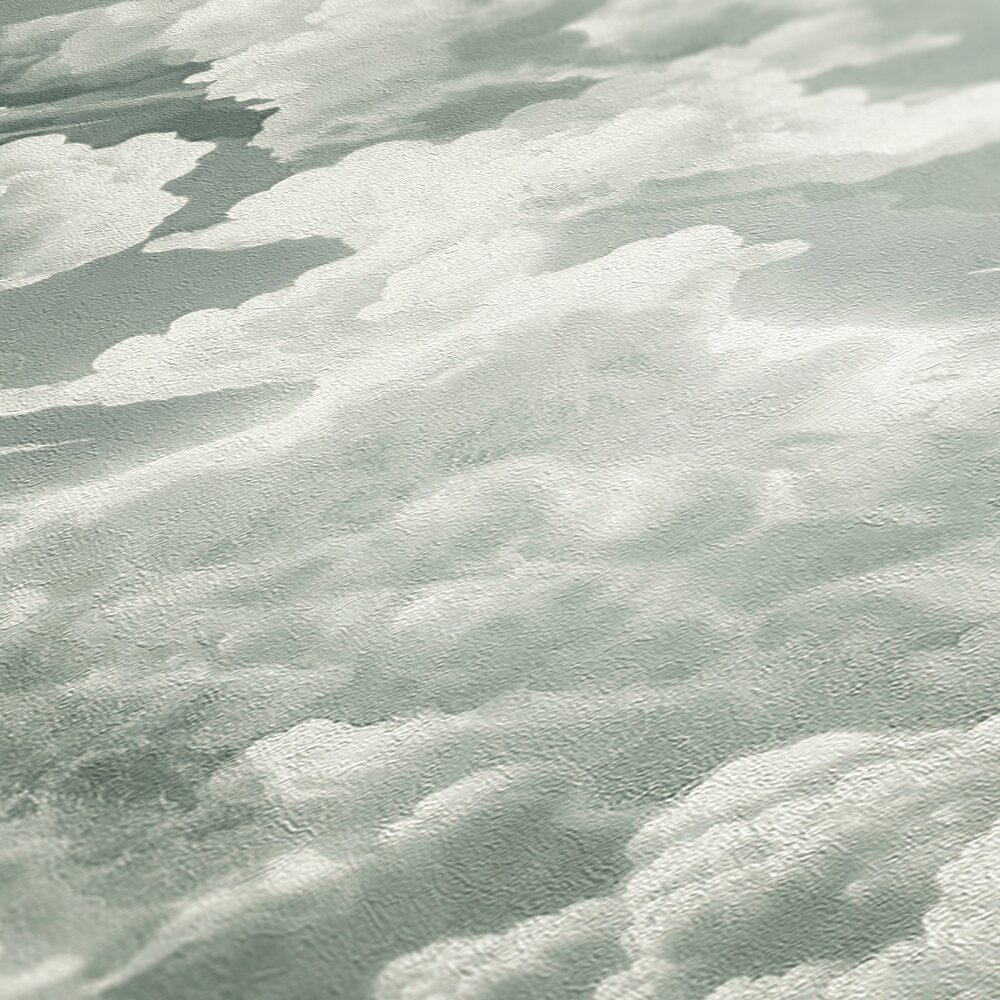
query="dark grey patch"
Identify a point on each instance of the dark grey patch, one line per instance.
(134, 74)
(539, 35)
(158, 101)
(228, 174)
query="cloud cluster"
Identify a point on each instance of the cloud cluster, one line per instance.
(493, 204)
(349, 73)
(337, 72)
(841, 852)
(63, 204)
(762, 879)
(534, 515)
(715, 125)
(562, 531)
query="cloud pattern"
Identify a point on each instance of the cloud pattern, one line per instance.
(65, 204)
(580, 581)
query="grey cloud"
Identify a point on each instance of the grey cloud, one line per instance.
(65, 204)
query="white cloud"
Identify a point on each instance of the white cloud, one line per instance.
(95, 41)
(795, 851)
(959, 945)
(63, 204)
(587, 458)
(348, 72)
(722, 116)
(849, 35)
(770, 868)
(442, 810)
(369, 776)
(363, 381)
(346, 865)
(811, 34)
(955, 955)
(387, 63)
(319, 336)
(491, 203)
(479, 968)
(426, 219)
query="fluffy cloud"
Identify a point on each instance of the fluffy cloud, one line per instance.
(843, 857)
(343, 874)
(47, 975)
(492, 204)
(522, 461)
(546, 953)
(63, 204)
(393, 66)
(526, 509)
(378, 63)
(853, 29)
(390, 64)
(17, 607)
(377, 316)
(877, 845)
(959, 942)
(285, 877)
(954, 955)
(84, 43)
(721, 123)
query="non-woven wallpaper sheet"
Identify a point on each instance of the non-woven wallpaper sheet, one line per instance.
(500, 500)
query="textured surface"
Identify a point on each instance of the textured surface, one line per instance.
(500, 500)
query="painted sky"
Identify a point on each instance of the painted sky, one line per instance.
(500, 499)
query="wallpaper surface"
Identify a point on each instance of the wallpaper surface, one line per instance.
(500, 499)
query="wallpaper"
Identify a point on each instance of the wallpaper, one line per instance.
(500, 500)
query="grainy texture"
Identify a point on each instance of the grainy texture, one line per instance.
(500, 500)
